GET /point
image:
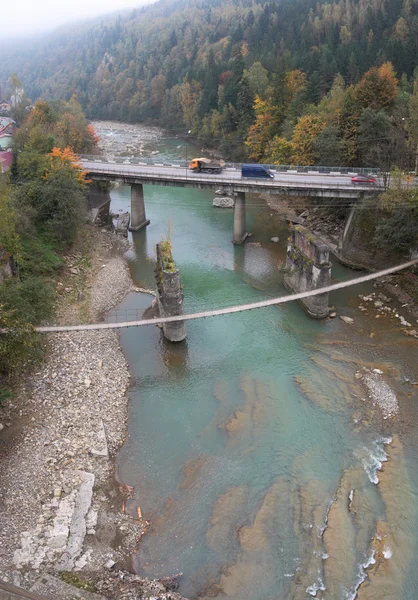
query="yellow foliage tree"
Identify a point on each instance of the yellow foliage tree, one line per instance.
(295, 81)
(279, 151)
(261, 132)
(190, 94)
(306, 130)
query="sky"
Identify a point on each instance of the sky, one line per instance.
(26, 17)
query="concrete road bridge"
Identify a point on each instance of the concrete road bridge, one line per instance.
(307, 183)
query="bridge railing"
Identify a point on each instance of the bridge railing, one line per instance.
(309, 170)
(122, 171)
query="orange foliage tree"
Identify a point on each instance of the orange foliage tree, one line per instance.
(377, 88)
(64, 159)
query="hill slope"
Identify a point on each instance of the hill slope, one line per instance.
(201, 64)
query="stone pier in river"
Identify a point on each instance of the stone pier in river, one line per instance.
(308, 268)
(169, 292)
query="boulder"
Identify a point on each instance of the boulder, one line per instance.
(223, 202)
(347, 320)
(275, 239)
(123, 223)
(295, 220)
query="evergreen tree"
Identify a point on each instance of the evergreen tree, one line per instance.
(210, 88)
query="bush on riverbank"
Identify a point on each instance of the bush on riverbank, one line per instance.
(397, 227)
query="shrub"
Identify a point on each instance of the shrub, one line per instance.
(19, 343)
(38, 256)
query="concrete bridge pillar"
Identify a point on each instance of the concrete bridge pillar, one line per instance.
(138, 217)
(239, 235)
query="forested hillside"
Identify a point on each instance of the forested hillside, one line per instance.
(290, 81)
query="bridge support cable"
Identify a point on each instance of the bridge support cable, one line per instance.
(231, 309)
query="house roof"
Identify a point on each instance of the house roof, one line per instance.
(5, 160)
(6, 121)
(5, 141)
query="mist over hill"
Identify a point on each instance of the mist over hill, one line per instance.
(222, 67)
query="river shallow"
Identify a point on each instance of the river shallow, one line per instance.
(253, 449)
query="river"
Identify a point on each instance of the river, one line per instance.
(253, 448)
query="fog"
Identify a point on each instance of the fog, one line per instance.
(31, 17)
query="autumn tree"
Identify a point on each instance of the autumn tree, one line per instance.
(306, 131)
(57, 199)
(190, 94)
(261, 132)
(377, 88)
(279, 151)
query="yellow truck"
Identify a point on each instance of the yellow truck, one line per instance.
(206, 165)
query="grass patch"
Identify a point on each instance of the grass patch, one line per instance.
(5, 394)
(77, 581)
(39, 256)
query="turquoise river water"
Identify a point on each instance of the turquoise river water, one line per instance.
(265, 471)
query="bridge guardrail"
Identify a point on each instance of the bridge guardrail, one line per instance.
(261, 183)
(309, 170)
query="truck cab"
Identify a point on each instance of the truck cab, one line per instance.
(256, 171)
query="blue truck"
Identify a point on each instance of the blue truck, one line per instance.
(256, 171)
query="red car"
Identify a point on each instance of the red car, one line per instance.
(363, 179)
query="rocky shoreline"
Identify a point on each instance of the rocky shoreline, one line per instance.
(329, 227)
(61, 510)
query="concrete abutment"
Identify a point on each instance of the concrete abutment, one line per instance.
(138, 216)
(308, 268)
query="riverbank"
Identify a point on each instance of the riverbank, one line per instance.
(328, 225)
(61, 509)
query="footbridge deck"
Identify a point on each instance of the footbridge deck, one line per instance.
(231, 309)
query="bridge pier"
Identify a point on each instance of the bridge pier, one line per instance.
(169, 293)
(239, 235)
(308, 268)
(138, 217)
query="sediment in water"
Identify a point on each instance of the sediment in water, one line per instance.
(394, 542)
(226, 515)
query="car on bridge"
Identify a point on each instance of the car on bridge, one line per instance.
(363, 179)
(256, 171)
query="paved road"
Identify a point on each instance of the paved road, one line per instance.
(228, 177)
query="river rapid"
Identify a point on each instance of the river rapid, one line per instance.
(255, 452)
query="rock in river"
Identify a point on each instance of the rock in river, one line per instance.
(223, 202)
